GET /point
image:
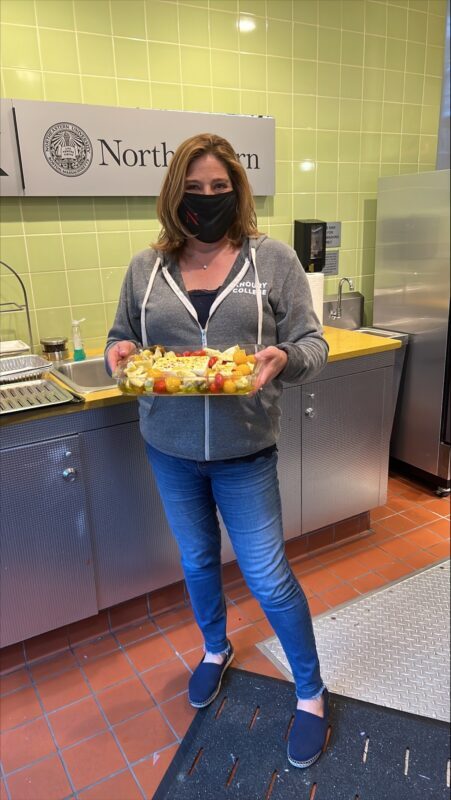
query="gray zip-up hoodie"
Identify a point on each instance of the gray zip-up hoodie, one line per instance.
(265, 298)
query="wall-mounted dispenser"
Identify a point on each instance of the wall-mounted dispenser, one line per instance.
(310, 243)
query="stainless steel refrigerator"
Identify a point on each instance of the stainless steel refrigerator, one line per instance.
(412, 295)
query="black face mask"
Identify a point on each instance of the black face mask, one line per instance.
(208, 216)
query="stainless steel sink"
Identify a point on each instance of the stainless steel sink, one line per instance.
(84, 376)
(351, 311)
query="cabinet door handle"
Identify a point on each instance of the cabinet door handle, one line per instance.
(69, 474)
(310, 412)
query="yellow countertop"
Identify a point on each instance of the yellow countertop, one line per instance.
(350, 344)
(342, 344)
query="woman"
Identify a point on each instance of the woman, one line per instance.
(212, 279)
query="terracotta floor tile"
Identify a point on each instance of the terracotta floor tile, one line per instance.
(421, 559)
(317, 606)
(141, 736)
(348, 568)
(136, 632)
(422, 537)
(380, 513)
(128, 612)
(243, 641)
(439, 505)
(76, 722)
(184, 637)
(41, 670)
(396, 485)
(62, 689)
(399, 548)
(251, 609)
(236, 590)
(26, 744)
(320, 580)
(124, 700)
(150, 652)
(150, 772)
(344, 551)
(265, 628)
(46, 644)
(19, 707)
(392, 572)
(310, 563)
(108, 670)
(380, 534)
(167, 680)
(45, 780)
(442, 527)
(121, 787)
(440, 550)
(262, 666)
(99, 646)
(167, 619)
(418, 496)
(11, 657)
(421, 515)
(341, 594)
(368, 583)
(235, 617)
(93, 760)
(375, 557)
(14, 680)
(398, 523)
(89, 628)
(179, 713)
(398, 503)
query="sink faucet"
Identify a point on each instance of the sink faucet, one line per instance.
(335, 313)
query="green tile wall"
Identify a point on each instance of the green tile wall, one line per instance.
(354, 86)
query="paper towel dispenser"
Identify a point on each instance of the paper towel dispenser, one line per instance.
(310, 243)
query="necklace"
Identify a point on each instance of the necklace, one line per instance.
(197, 263)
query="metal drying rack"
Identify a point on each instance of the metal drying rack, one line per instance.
(11, 306)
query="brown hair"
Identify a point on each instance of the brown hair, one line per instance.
(173, 235)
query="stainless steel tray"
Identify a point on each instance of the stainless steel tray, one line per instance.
(31, 394)
(16, 368)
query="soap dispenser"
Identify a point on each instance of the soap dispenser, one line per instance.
(79, 352)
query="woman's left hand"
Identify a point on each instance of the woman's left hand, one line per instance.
(271, 362)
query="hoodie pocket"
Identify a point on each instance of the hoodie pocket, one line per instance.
(146, 407)
(268, 402)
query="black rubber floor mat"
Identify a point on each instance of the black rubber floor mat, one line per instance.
(236, 750)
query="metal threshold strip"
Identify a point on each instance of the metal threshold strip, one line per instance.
(391, 647)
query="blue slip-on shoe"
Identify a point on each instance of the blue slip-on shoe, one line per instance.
(205, 682)
(308, 736)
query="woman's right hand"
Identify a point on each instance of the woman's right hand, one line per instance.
(118, 351)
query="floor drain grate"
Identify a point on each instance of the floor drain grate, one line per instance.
(374, 752)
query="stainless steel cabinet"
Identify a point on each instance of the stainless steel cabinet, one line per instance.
(344, 447)
(290, 461)
(82, 523)
(134, 549)
(47, 572)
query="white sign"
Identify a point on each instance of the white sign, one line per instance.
(72, 149)
(331, 265)
(10, 177)
(333, 234)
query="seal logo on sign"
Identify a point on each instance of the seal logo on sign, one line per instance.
(67, 149)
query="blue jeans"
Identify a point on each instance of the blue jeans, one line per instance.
(247, 496)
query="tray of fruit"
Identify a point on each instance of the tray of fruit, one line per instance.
(177, 371)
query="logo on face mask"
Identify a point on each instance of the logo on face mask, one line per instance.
(208, 217)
